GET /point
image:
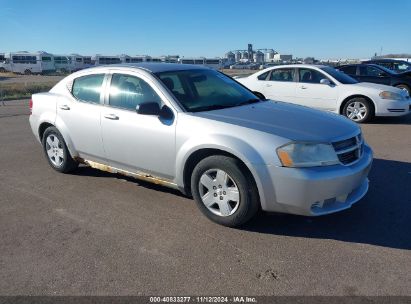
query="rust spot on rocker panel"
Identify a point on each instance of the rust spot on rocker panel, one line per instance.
(138, 175)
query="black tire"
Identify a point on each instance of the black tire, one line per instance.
(248, 203)
(27, 72)
(369, 108)
(68, 164)
(2, 70)
(404, 87)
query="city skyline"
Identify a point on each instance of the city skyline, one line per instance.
(317, 29)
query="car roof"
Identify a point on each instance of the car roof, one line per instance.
(383, 60)
(157, 67)
(357, 64)
(319, 66)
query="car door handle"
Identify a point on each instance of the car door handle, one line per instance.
(64, 107)
(303, 87)
(268, 85)
(111, 116)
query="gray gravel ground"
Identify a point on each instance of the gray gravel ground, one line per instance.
(94, 233)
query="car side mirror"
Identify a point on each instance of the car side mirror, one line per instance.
(148, 108)
(259, 95)
(166, 113)
(325, 81)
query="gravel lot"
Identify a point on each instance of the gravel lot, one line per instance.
(95, 233)
(15, 78)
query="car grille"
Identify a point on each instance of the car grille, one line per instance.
(349, 150)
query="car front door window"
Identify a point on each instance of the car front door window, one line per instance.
(311, 76)
(127, 92)
(373, 74)
(312, 93)
(369, 71)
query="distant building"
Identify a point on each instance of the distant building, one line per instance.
(283, 58)
(260, 56)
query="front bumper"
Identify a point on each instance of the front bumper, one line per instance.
(318, 190)
(393, 108)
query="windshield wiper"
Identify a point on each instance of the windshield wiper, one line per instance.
(248, 101)
(219, 106)
(211, 107)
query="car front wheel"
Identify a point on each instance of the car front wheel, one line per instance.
(405, 88)
(358, 109)
(56, 151)
(224, 190)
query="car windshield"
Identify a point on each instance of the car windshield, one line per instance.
(395, 66)
(339, 76)
(204, 90)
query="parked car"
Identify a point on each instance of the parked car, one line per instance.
(197, 130)
(325, 88)
(378, 74)
(392, 64)
(245, 66)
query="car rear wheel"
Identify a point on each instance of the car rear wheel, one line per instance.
(224, 190)
(27, 72)
(404, 87)
(56, 151)
(358, 109)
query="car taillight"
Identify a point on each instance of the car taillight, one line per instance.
(31, 106)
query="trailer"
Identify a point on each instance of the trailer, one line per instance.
(214, 63)
(105, 60)
(28, 63)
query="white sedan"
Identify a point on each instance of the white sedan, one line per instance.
(325, 88)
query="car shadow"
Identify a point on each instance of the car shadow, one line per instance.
(382, 217)
(401, 120)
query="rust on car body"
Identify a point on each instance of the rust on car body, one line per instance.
(137, 175)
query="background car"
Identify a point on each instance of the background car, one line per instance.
(325, 88)
(392, 64)
(378, 74)
(245, 66)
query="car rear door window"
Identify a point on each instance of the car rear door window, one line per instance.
(349, 70)
(88, 88)
(126, 92)
(282, 75)
(263, 76)
(310, 76)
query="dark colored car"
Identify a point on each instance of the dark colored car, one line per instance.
(378, 74)
(391, 64)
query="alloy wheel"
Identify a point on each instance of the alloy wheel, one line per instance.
(356, 110)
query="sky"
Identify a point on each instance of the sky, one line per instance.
(319, 28)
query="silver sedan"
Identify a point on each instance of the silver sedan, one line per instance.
(199, 131)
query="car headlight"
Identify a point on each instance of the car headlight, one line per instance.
(391, 95)
(307, 155)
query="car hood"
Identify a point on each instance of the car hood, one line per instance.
(289, 121)
(376, 86)
(405, 73)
